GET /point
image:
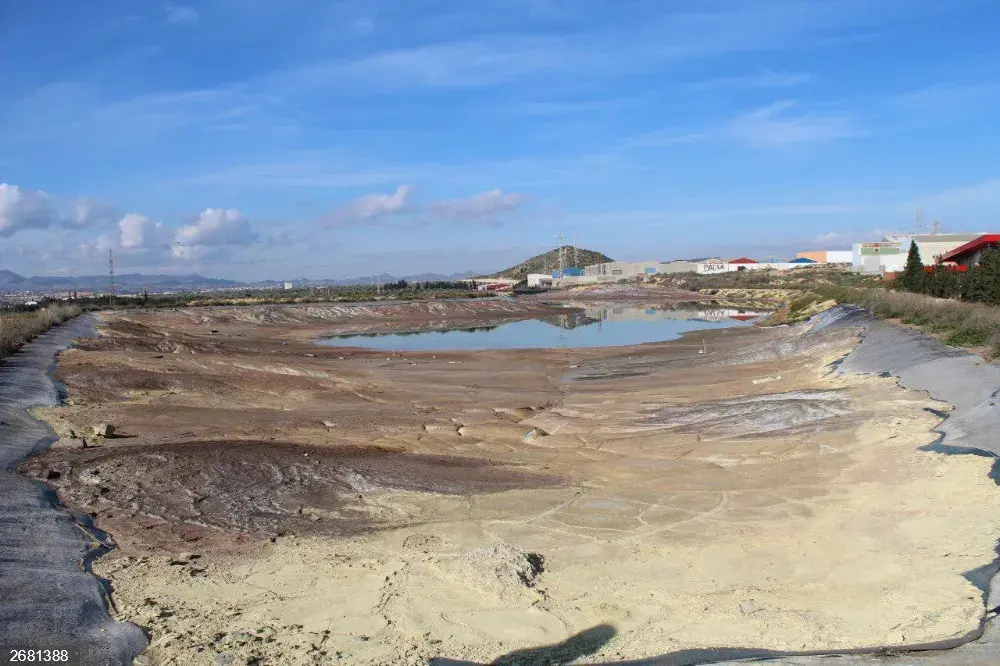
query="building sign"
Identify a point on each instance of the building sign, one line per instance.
(711, 268)
(882, 247)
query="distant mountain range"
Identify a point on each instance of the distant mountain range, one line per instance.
(11, 282)
(126, 282)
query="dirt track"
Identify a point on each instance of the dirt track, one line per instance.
(472, 504)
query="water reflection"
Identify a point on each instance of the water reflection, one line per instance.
(590, 327)
(690, 312)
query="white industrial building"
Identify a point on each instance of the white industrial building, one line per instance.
(620, 270)
(889, 254)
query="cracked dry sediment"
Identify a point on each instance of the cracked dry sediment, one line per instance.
(668, 495)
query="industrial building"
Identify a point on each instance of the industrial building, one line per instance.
(623, 269)
(889, 254)
(971, 253)
(620, 270)
(827, 256)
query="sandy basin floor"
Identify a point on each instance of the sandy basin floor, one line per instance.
(344, 506)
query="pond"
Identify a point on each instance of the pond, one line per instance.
(594, 327)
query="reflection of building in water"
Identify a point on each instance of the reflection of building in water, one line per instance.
(658, 313)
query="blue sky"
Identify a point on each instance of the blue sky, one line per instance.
(321, 138)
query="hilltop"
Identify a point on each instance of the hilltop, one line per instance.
(549, 261)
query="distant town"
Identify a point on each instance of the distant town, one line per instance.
(883, 257)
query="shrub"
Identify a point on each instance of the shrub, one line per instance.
(17, 328)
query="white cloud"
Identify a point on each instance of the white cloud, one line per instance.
(25, 209)
(833, 237)
(89, 212)
(139, 232)
(217, 226)
(371, 208)
(779, 125)
(181, 13)
(483, 207)
(22, 209)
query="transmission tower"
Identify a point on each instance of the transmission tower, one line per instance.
(920, 220)
(576, 255)
(111, 276)
(560, 238)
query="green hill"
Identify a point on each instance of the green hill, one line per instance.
(548, 262)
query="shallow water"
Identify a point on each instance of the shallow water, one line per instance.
(595, 327)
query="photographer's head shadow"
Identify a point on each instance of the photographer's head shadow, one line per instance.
(583, 644)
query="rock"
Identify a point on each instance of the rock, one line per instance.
(104, 430)
(329, 424)
(184, 558)
(90, 477)
(532, 435)
(224, 659)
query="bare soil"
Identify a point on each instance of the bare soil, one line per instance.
(280, 502)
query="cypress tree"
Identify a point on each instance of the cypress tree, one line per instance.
(913, 278)
(990, 272)
(950, 282)
(937, 283)
(972, 284)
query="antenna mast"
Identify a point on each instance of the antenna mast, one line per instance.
(111, 276)
(576, 255)
(560, 238)
(920, 220)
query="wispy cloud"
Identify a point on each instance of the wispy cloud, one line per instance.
(786, 124)
(652, 36)
(80, 110)
(486, 207)
(764, 79)
(944, 102)
(180, 13)
(781, 124)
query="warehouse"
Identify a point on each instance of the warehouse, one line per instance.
(623, 269)
(827, 256)
(889, 254)
(971, 253)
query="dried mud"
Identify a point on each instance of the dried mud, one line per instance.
(262, 489)
(724, 489)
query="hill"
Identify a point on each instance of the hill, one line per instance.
(548, 262)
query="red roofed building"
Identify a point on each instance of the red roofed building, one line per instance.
(972, 252)
(743, 260)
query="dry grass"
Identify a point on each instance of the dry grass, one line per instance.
(18, 328)
(958, 323)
